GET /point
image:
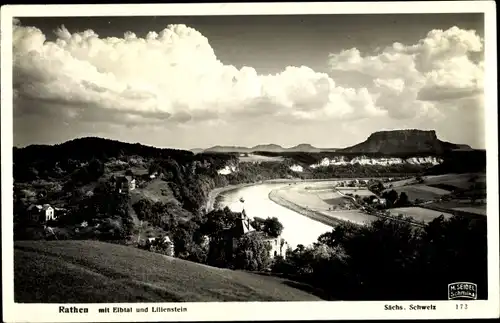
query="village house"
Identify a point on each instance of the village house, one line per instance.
(205, 241)
(42, 213)
(164, 241)
(125, 184)
(380, 201)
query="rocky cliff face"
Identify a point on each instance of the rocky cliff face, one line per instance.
(364, 160)
(402, 141)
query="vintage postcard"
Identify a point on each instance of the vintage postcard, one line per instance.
(250, 161)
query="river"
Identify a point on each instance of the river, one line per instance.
(298, 229)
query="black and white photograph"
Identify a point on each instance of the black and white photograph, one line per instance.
(155, 160)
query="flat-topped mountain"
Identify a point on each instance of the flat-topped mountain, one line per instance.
(403, 141)
(268, 147)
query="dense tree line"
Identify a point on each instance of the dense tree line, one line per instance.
(460, 162)
(395, 200)
(105, 212)
(221, 226)
(86, 149)
(271, 226)
(392, 260)
(357, 170)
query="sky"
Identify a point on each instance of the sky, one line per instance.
(195, 82)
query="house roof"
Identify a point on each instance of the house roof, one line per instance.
(262, 235)
(33, 206)
(127, 178)
(242, 226)
(39, 207)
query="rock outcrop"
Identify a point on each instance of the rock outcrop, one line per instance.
(403, 141)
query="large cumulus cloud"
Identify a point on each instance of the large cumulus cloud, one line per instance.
(171, 81)
(414, 80)
(170, 76)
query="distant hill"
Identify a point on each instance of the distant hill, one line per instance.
(304, 148)
(86, 148)
(196, 150)
(98, 272)
(404, 141)
(270, 148)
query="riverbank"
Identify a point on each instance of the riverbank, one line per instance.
(313, 215)
(213, 194)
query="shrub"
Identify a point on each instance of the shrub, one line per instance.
(369, 263)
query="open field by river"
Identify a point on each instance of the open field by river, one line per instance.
(421, 192)
(450, 180)
(323, 200)
(478, 209)
(362, 192)
(420, 214)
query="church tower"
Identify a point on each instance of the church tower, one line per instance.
(245, 220)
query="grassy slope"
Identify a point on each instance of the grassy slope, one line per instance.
(91, 271)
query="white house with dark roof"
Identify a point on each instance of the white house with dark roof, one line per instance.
(42, 213)
(165, 241)
(125, 184)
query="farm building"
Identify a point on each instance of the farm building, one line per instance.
(125, 184)
(380, 201)
(42, 213)
(165, 241)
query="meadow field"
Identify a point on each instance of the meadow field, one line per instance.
(355, 191)
(479, 209)
(319, 197)
(325, 200)
(421, 192)
(252, 158)
(419, 214)
(461, 181)
(459, 205)
(446, 182)
(98, 272)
